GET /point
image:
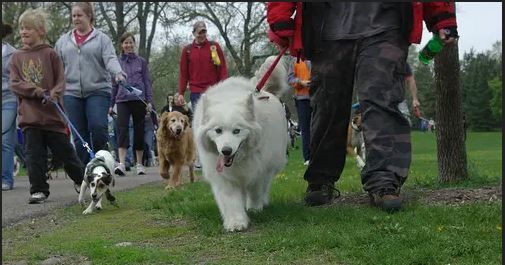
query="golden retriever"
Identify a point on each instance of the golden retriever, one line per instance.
(176, 147)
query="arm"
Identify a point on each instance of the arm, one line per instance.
(411, 84)
(440, 16)
(20, 87)
(292, 79)
(59, 76)
(110, 59)
(147, 81)
(223, 71)
(183, 72)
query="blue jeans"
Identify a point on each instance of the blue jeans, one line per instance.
(9, 138)
(304, 111)
(194, 97)
(89, 117)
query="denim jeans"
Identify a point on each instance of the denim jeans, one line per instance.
(9, 138)
(89, 117)
(194, 97)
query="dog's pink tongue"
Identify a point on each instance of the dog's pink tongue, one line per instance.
(220, 164)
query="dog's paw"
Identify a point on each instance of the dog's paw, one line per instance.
(165, 175)
(236, 224)
(360, 162)
(88, 211)
(98, 207)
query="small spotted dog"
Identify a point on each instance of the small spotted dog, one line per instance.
(355, 141)
(98, 177)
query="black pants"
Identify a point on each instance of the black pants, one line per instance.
(36, 143)
(376, 67)
(137, 110)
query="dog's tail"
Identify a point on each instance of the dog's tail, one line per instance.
(277, 83)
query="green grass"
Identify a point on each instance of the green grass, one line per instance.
(184, 226)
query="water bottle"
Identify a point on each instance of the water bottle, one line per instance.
(432, 48)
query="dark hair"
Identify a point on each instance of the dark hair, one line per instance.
(124, 37)
(6, 30)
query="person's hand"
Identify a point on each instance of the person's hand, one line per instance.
(180, 100)
(149, 107)
(305, 83)
(448, 35)
(54, 96)
(111, 111)
(39, 92)
(120, 78)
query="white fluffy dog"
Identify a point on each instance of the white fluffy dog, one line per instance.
(241, 141)
(98, 177)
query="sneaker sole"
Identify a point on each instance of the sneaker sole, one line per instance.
(119, 172)
(36, 201)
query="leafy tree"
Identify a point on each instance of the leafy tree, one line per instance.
(451, 149)
(496, 100)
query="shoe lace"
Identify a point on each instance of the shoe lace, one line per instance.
(336, 192)
(387, 191)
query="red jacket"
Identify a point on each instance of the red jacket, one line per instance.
(437, 15)
(201, 71)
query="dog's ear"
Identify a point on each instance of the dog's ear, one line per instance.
(186, 122)
(90, 177)
(106, 178)
(249, 115)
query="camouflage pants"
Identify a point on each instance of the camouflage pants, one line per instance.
(375, 66)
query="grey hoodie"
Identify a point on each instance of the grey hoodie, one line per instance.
(7, 51)
(88, 68)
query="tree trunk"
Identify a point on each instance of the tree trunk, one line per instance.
(451, 149)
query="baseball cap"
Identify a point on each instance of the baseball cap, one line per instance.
(198, 26)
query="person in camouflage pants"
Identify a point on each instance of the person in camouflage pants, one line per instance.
(362, 46)
(379, 69)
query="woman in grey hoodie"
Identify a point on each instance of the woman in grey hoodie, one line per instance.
(90, 60)
(9, 113)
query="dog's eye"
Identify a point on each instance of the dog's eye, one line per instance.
(236, 131)
(92, 184)
(219, 130)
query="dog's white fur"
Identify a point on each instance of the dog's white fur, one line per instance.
(97, 186)
(241, 141)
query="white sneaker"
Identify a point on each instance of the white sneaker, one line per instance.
(306, 163)
(120, 169)
(37, 197)
(140, 169)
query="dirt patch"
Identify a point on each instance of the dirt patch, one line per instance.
(439, 196)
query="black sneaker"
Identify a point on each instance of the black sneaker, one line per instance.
(386, 199)
(320, 194)
(37, 197)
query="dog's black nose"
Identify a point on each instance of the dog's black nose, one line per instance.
(178, 131)
(226, 151)
(93, 195)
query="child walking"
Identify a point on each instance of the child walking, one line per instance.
(36, 71)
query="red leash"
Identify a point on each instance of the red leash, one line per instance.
(270, 70)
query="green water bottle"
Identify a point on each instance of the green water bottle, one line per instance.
(432, 48)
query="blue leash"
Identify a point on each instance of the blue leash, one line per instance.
(84, 143)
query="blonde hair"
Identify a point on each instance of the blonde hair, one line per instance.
(35, 18)
(87, 8)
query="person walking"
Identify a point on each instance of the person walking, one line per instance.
(38, 80)
(130, 104)
(202, 64)
(9, 114)
(89, 59)
(360, 45)
(299, 79)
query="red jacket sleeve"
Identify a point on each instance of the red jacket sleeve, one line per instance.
(279, 18)
(183, 72)
(439, 15)
(223, 70)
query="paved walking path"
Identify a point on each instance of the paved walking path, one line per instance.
(15, 205)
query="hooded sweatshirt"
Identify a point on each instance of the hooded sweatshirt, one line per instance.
(33, 72)
(88, 67)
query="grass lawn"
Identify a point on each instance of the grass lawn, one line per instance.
(154, 226)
